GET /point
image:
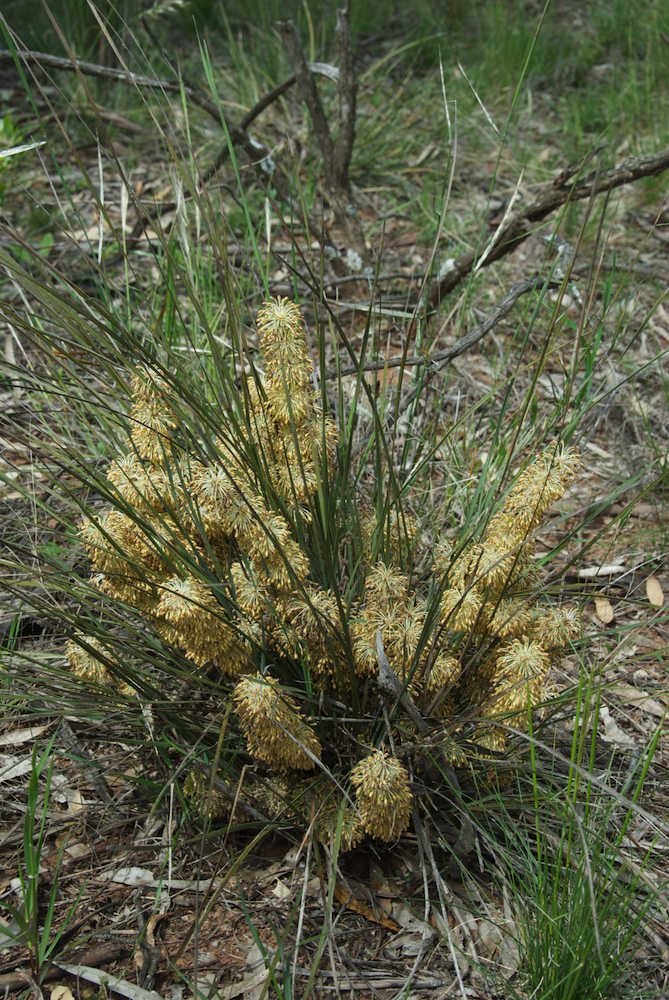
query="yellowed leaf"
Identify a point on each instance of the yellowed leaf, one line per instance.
(344, 896)
(281, 890)
(654, 592)
(61, 993)
(604, 610)
(633, 696)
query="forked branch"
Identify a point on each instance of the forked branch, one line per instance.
(335, 151)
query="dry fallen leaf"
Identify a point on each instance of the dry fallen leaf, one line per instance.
(417, 936)
(344, 896)
(61, 993)
(612, 733)
(281, 890)
(640, 699)
(21, 736)
(252, 986)
(604, 610)
(115, 984)
(14, 767)
(654, 592)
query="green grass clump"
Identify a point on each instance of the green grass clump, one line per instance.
(240, 554)
(293, 564)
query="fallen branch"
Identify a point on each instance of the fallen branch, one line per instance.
(99, 955)
(42, 59)
(435, 362)
(521, 224)
(258, 155)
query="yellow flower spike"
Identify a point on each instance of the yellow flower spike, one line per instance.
(88, 667)
(281, 328)
(453, 752)
(273, 797)
(490, 738)
(147, 387)
(269, 533)
(385, 586)
(523, 658)
(294, 470)
(106, 541)
(152, 425)
(521, 669)
(383, 795)
(125, 559)
(443, 674)
(511, 619)
(206, 800)
(408, 628)
(465, 569)
(139, 487)
(460, 609)
(275, 731)
(141, 594)
(555, 628)
(535, 490)
(363, 636)
(288, 368)
(442, 559)
(318, 803)
(497, 566)
(312, 613)
(250, 594)
(184, 601)
(219, 646)
(215, 490)
(283, 569)
(239, 519)
(192, 620)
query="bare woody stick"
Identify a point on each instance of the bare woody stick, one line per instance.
(343, 149)
(256, 153)
(522, 223)
(439, 359)
(310, 96)
(335, 153)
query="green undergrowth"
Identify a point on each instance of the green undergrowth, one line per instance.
(581, 893)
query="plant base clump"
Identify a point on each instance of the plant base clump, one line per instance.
(219, 547)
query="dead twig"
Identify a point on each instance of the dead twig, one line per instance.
(259, 156)
(343, 147)
(435, 362)
(99, 955)
(310, 95)
(265, 102)
(522, 223)
(42, 59)
(150, 951)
